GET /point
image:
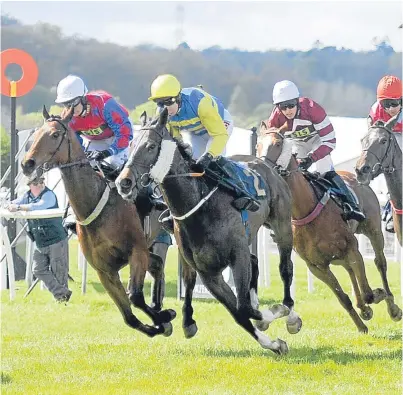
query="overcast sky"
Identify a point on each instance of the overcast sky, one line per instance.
(246, 25)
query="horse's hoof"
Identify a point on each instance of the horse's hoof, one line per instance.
(295, 326)
(379, 295)
(283, 348)
(279, 310)
(190, 330)
(366, 313)
(168, 329)
(262, 325)
(395, 312)
(167, 315)
(363, 329)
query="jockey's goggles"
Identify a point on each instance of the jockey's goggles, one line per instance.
(289, 104)
(166, 102)
(72, 103)
(387, 103)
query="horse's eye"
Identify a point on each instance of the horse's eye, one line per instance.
(383, 141)
(55, 135)
(278, 144)
(151, 146)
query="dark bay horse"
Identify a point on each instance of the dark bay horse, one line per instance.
(210, 232)
(322, 237)
(109, 229)
(381, 154)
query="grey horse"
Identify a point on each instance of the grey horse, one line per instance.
(210, 232)
(381, 154)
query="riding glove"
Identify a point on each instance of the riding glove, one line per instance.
(305, 163)
(99, 155)
(204, 161)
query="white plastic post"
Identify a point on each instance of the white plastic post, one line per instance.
(311, 287)
(294, 280)
(10, 262)
(266, 257)
(84, 278)
(29, 252)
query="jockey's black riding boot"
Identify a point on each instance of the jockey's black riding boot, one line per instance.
(352, 211)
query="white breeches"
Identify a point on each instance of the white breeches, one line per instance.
(303, 148)
(201, 143)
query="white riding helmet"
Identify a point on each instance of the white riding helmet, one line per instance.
(70, 88)
(284, 90)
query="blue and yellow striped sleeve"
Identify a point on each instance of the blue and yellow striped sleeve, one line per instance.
(214, 124)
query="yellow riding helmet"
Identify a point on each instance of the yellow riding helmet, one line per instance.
(165, 85)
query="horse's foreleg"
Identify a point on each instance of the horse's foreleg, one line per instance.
(324, 274)
(284, 239)
(156, 269)
(138, 262)
(397, 224)
(377, 242)
(366, 311)
(116, 291)
(223, 293)
(189, 277)
(254, 281)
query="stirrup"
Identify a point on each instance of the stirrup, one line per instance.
(352, 213)
(246, 203)
(389, 226)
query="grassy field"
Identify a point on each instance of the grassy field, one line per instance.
(85, 348)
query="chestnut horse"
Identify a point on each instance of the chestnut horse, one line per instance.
(381, 154)
(109, 229)
(322, 237)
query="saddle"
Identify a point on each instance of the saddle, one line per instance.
(233, 180)
(323, 185)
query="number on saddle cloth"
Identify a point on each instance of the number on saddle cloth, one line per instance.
(248, 180)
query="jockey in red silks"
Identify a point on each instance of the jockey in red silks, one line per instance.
(388, 104)
(102, 124)
(313, 137)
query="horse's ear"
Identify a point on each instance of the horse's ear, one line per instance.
(68, 115)
(143, 118)
(262, 128)
(283, 128)
(45, 113)
(392, 122)
(162, 121)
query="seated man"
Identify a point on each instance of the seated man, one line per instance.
(197, 120)
(313, 137)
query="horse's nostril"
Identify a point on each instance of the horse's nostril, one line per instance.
(29, 164)
(125, 183)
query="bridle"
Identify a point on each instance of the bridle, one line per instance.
(379, 166)
(46, 166)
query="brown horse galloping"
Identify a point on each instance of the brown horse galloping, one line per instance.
(108, 228)
(322, 237)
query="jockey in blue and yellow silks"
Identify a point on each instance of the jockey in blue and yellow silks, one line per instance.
(196, 116)
(200, 123)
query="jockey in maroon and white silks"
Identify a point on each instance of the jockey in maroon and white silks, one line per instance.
(313, 137)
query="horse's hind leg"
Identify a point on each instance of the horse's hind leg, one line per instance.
(116, 291)
(156, 269)
(254, 281)
(223, 293)
(138, 262)
(378, 243)
(189, 278)
(325, 274)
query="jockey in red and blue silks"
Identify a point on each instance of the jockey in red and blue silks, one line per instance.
(103, 125)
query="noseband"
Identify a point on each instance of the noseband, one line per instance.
(379, 166)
